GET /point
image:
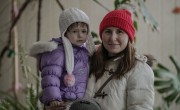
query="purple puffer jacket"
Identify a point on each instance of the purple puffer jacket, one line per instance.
(52, 67)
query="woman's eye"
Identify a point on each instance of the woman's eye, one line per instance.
(119, 31)
(108, 31)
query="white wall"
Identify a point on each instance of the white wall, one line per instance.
(160, 44)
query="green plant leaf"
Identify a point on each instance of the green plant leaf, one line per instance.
(31, 97)
(157, 108)
(165, 89)
(95, 38)
(24, 71)
(176, 65)
(162, 82)
(116, 3)
(178, 99)
(4, 105)
(172, 96)
(168, 83)
(166, 75)
(135, 25)
(13, 102)
(147, 16)
(96, 1)
(11, 53)
(119, 2)
(161, 73)
(159, 65)
(135, 14)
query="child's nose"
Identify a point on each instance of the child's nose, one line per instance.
(80, 34)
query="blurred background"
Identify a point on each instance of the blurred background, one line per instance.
(23, 22)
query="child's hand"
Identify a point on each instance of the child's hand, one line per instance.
(60, 106)
(56, 103)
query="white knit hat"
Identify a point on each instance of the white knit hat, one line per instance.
(68, 17)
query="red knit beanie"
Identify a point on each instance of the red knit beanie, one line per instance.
(121, 19)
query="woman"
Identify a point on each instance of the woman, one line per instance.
(131, 87)
(131, 84)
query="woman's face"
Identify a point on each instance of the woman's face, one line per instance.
(114, 40)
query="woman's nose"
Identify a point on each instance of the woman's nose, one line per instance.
(113, 36)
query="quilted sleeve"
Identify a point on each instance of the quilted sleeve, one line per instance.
(140, 90)
(51, 66)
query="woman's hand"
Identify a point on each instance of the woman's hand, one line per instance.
(56, 105)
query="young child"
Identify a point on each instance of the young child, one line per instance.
(63, 61)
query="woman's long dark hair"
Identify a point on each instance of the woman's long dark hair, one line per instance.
(97, 61)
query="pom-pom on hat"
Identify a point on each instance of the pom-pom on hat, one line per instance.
(120, 18)
(68, 17)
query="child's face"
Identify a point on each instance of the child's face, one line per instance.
(77, 35)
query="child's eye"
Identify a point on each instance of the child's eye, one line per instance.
(75, 31)
(84, 31)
